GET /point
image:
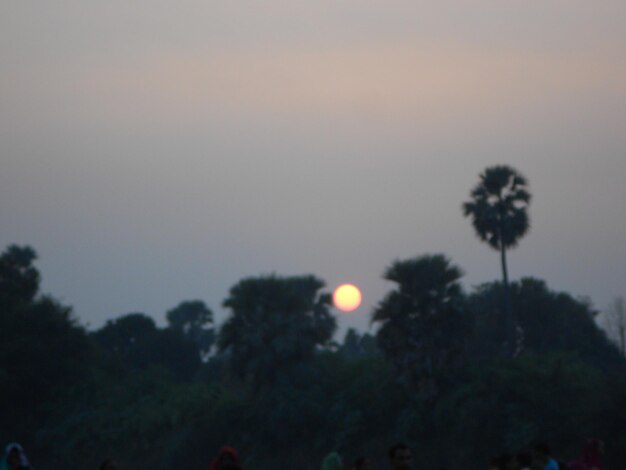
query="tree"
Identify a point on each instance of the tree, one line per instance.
(551, 322)
(356, 346)
(276, 323)
(422, 326)
(510, 404)
(125, 336)
(44, 353)
(134, 340)
(498, 210)
(193, 319)
(614, 322)
(19, 279)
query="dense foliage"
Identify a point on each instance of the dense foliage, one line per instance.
(284, 395)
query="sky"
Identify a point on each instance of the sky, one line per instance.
(154, 152)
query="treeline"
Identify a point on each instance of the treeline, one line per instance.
(459, 376)
(440, 374)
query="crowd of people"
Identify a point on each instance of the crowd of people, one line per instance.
(541, 458)
(400, 457)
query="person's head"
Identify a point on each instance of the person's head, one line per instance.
(362, 463)
(400, 456)
(542, 451)
(15, 456)
(109, 464)
(501, 462)
(594, 448)
(230, 466)
(225, 457)
(332, 462)
(524, 459)
(512, 464)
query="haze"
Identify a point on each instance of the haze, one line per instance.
(154, 152)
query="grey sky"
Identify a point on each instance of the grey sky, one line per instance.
(154, 152)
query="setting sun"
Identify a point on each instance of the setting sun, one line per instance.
(347, 297)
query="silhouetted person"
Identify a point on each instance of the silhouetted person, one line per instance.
(226, 457)
(543, 457)
(525, 460)
(231, 466)
(400, 457)
(14, 458)
(109, 464)
(332, 462)
(502, 462)
(362, 463)
(590, 457)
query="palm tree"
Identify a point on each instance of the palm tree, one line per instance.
(498, 210)
(422, 327)
(276, 324)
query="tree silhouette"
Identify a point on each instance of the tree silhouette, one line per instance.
(19, 279)
(498, 210)
(135, 341)
(125, 336)
(276, 323)
(422, 326)
(193, 319)
(358, 346)
(44, 353)
(551, 321)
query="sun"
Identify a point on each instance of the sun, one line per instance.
(347, 297)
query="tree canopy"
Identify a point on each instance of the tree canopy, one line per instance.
(275, 323)
(422, 325)
(498, 207)
(194, 320)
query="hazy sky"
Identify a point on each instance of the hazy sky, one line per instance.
(154, 152)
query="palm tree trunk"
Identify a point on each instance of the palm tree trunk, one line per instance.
(508, 314)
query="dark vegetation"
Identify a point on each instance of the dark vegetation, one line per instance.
(439, 374)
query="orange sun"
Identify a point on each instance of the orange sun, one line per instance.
(347, 297)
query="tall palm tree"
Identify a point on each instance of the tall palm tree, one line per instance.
(498, 210)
